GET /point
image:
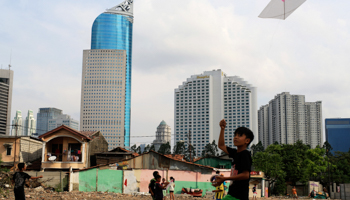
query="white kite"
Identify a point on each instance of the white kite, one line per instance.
(280, 9)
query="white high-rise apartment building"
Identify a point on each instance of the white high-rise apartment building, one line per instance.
(103, 94)
(17, 124)
(29, 124)
(203, 100)
(288, 118)
(6, 84)
(163, 135)
(63, 120)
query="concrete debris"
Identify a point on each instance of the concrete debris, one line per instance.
(48, 194)
(39, 189)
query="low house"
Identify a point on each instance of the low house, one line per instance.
(65, 148)
(114, 156)
(16, 149)
(132, 175)
(220, 162)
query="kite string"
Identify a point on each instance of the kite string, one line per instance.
(273, 35)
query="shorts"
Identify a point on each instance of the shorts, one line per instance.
(229, 197)
(171, 191)
(164, 193)
(19, 194)
(254, 194)
(295, 195)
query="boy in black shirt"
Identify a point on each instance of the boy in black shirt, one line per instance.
(158, 188)
(241, 164)
(152, 184)
(19, 179)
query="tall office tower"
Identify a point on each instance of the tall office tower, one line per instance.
(163, 135)
(43, 117)
(63, 120)
(338, 134)
(17, 124)
(106, 80)
(203, 100)
(30, 124)
(288, 118)
(6, 83)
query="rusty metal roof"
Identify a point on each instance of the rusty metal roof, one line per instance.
(190, 163)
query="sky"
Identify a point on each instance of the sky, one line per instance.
(306, 54)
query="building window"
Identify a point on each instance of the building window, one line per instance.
(8, 151)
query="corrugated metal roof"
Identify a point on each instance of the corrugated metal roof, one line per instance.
(128, 159)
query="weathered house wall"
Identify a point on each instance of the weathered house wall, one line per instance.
(27, 149)
(30, 149)
(98, 144)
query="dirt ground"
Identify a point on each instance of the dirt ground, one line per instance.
(48, 195)
(31, 194)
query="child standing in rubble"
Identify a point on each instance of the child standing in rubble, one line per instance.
(19, 179)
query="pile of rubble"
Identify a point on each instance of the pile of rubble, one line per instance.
(33, 194)
(5, 179)
(6, 186)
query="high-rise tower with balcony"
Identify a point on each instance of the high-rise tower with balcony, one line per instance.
(106, 77)
(204, 99)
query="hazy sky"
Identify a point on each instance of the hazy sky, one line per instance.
(306, 54)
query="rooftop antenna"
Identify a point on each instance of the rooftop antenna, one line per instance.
(10, 60)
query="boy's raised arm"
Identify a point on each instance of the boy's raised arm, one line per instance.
(221, 143)
(36, 177)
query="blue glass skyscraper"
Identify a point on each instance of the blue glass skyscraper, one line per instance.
(338, 134)
(111, 39)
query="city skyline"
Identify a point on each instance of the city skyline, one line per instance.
(275, 56)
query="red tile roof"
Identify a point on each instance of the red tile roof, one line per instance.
(175, 156)
(191, 163)
(69, 129)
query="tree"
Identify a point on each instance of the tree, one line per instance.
(179, 148)
(315, 164)
(146, 148)
(211, 149)
(152, 148)
(257, 148)
(271, 164)
(328, 148)
(165, 149)
(138, 150)
(339, 167)
(294, 156)
(133, 148)
(187, 153)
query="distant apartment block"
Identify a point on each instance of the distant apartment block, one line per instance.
(288, 118)
(338, 134)
(43, 117)
(63, 120)
(51, 118)
(6, 84)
